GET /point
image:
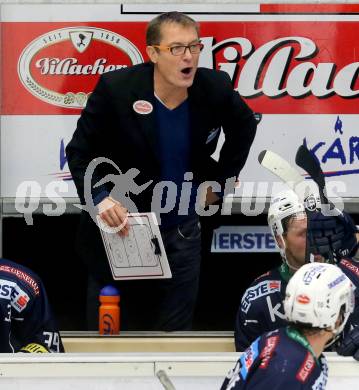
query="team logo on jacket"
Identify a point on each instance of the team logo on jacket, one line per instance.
(53, 67)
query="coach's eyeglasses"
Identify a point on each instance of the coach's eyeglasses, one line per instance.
(194, 48)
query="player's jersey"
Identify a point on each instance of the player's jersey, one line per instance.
(25, 314)
(278, 360)
(261, 308)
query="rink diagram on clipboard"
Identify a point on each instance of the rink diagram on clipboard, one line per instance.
(141, 254)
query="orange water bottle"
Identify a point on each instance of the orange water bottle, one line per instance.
(109, 311)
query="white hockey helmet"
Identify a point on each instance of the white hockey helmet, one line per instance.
(317, 294)
(284, 204)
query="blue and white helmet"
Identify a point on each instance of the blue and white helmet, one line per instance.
(317, 294)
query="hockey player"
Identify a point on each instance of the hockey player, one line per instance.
(319, 299)
(261, 308)
(27, 322)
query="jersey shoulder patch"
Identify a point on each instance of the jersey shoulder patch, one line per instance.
(306, 368)
(349, 266)
(258, 290)
(268, 350)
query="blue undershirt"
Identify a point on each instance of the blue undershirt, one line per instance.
(174, 147)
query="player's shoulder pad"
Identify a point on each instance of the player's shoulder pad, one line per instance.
(258, 290)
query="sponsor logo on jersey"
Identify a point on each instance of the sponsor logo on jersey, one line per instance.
(6, 288)
(248, 357)
(306, 368)
(12, 292)
(19, 299)
(22, 276)
(261, 289)
(268, 350)
(274, 312)
(347, 264)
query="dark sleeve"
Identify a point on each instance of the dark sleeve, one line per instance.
(39, 325)
(247, 373)
(250, 323)
(92, 132)
(351, 269)
(279, 374)
(239, 127)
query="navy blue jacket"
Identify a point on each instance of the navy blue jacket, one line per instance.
(110, 127)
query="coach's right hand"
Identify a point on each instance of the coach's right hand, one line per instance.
(114, 214)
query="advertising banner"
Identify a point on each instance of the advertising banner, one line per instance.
(297, 65)
(249, 239)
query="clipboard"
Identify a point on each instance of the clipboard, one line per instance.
(140, 255)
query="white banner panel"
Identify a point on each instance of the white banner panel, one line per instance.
(33, 150)
(333, 138)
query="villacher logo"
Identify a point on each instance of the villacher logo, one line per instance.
(54, 66)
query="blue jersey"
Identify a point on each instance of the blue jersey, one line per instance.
(278, 360)
(261, 308)
(27, 322)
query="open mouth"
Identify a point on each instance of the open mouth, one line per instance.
(186, 70)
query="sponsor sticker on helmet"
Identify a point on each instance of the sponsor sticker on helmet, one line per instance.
(312, 273)
(338, 280)
(303, 299)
